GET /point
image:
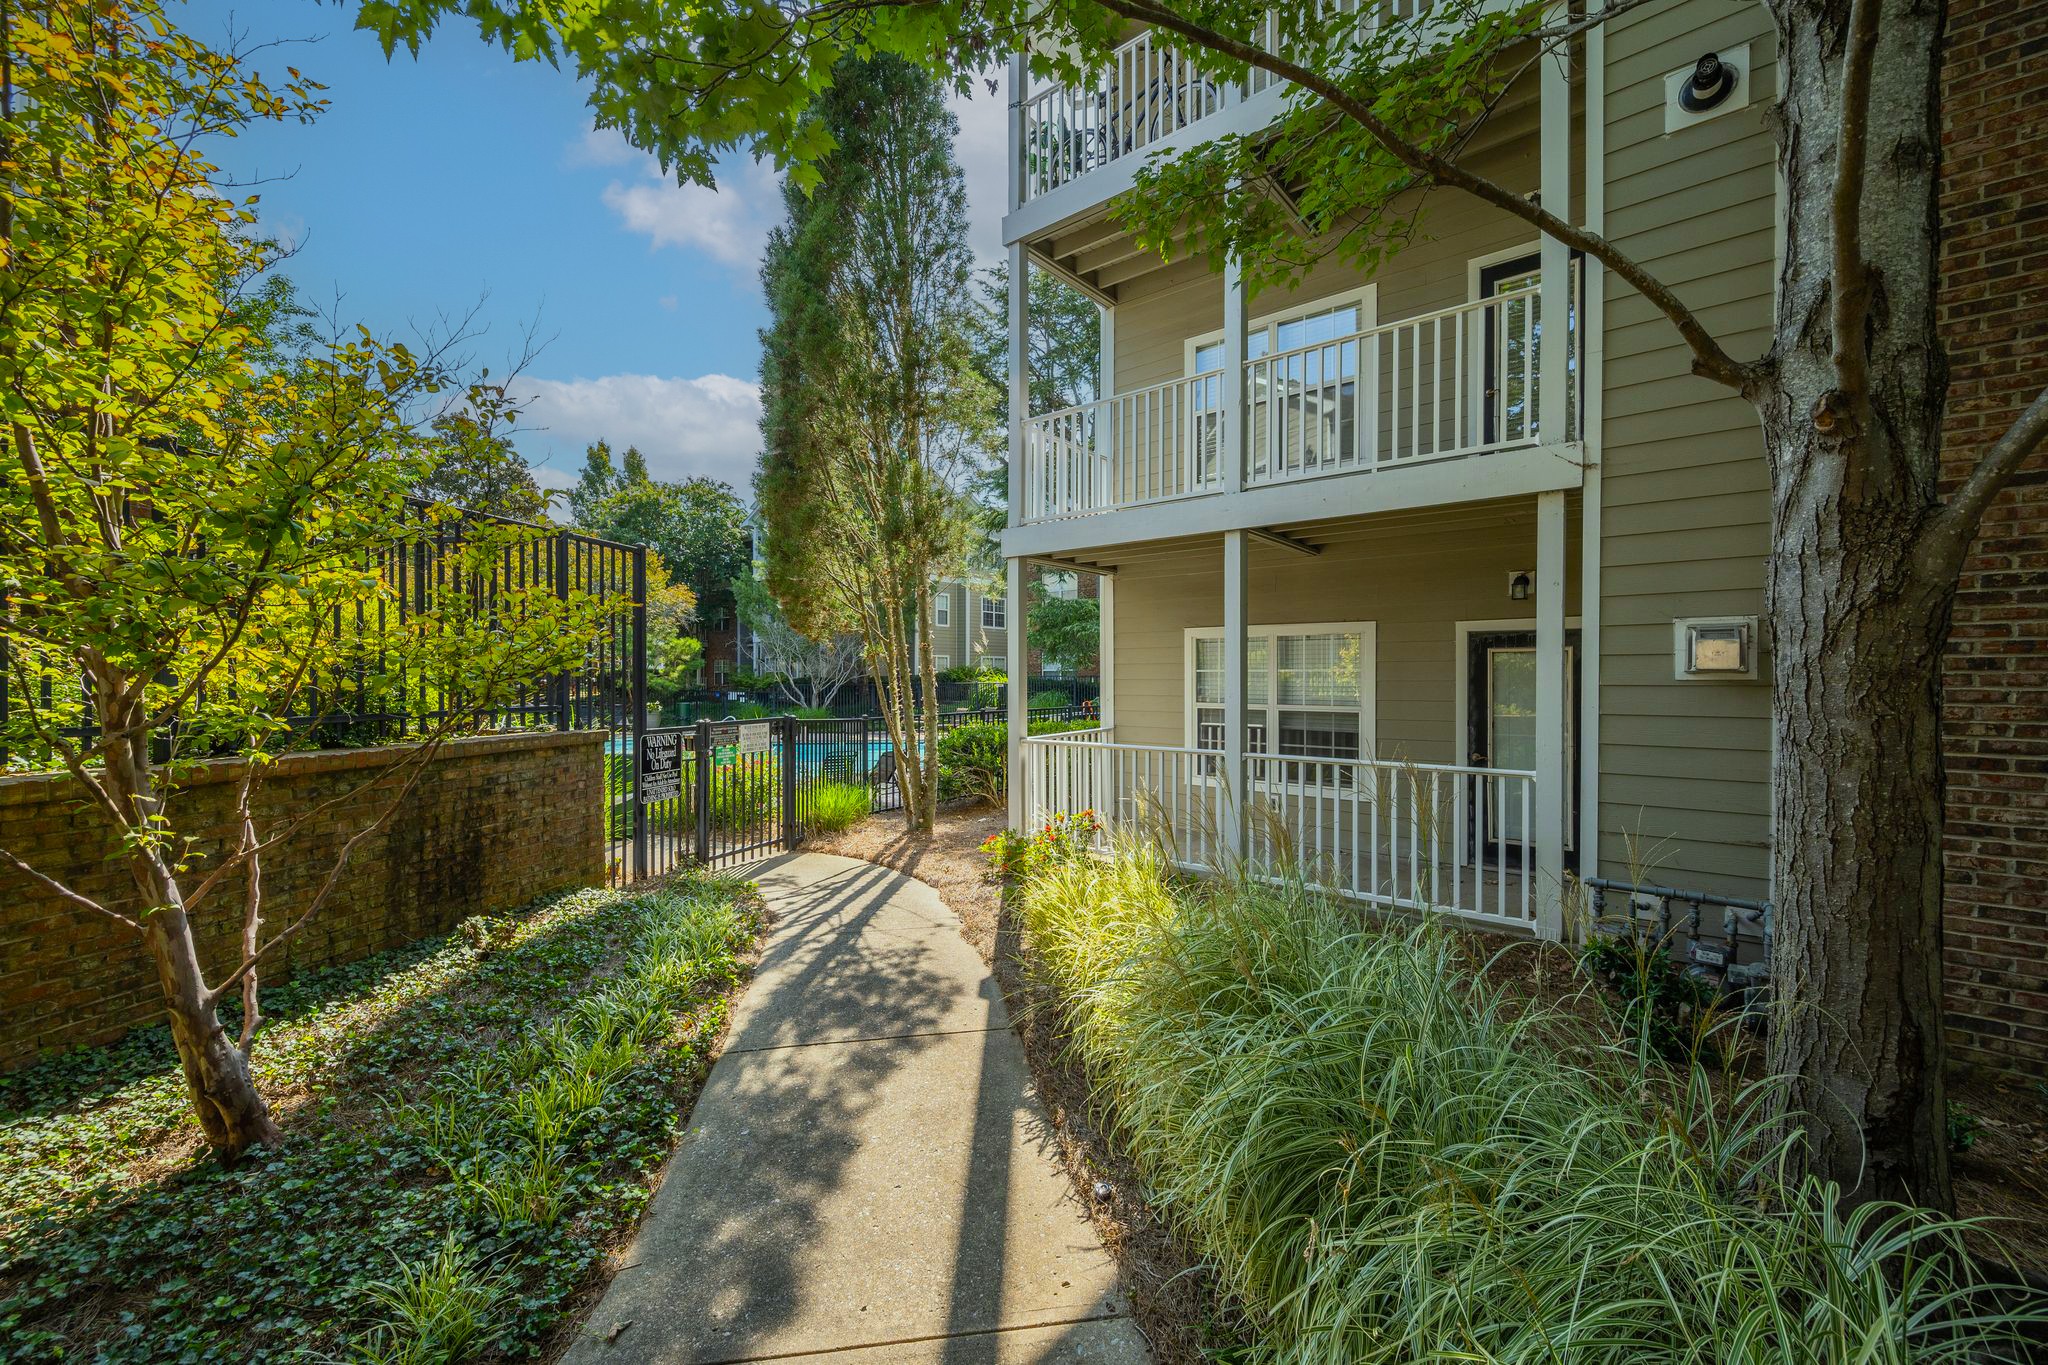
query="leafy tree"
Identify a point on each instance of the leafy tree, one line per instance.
(674, 656)
(1066, 630)
(478, 468)
(808, 672)
(1867, 541)
(1064, 334)
(196, 501)
(698, 526)
(874, 419)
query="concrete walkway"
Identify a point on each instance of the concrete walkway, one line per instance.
(867, 1178)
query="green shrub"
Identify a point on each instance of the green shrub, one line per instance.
(1387, 1160)
(974, 757)
(835, 806)
(745, 796)
(1650, 997)
(1051, 699)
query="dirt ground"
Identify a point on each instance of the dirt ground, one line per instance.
(2001, 1176)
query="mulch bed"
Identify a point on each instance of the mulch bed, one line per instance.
(2002, 1176)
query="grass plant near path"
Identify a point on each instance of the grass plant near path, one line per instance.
(1389, 1160)
(469, 1124)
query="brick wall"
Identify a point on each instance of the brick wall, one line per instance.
(494, 822)
(1995, 321)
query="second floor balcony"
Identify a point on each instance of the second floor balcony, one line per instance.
(1147, 92)
(1458, 383)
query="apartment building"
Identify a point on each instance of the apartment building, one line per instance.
(1461, 601)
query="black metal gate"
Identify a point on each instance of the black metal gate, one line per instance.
(713, 794)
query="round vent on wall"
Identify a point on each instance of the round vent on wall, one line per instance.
(1710, 85)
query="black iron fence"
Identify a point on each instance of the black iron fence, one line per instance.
(372, 700)
(718, 793)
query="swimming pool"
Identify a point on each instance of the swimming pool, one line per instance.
(810, 753)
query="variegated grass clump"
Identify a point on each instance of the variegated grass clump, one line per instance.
(1387, 1162)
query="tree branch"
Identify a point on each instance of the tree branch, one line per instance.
(1709, 359)
(1957, 522)
(63, 892)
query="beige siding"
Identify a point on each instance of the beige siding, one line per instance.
(1414, 578)
(1156, 314)
(1684, 765)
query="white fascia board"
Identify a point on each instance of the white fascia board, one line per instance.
(1481, 478)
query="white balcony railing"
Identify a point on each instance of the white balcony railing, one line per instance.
(1147, 92)
(1148, 445)
(1409, 835)
(1451, 384)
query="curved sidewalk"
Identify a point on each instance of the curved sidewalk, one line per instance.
(867, 1178)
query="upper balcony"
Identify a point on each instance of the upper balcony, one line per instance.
(1456, 391)
(1148, 98)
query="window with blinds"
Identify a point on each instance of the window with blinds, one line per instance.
(1308, 690)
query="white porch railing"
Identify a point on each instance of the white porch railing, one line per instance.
(1148, 91)
(1450, 384)
(1408, 835)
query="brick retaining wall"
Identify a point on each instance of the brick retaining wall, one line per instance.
(1994, 315)
(494, 822)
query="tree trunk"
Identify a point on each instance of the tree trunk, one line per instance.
(1859, 601)
(1857, 963)
(232, 1114)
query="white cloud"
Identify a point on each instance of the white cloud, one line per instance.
(602, 147)
(709, 425)
(729, 224)
(983, 150)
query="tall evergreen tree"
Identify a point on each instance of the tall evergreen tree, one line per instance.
(874, 417)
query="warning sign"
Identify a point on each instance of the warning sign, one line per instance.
(754, 736)
(661, 767)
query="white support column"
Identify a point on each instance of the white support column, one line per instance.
(1235, 322)
(1017, 703)
(1106, 651)
(1552, 800)
(1554, 304)
(1016, 647)
(1236, 655)
(1105, 365)
(1020, 374)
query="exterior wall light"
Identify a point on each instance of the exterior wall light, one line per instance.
(1721, 647)
(1521, 583)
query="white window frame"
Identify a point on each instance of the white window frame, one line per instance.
(1368, 683)
(942, 608)
(1366, 296)
(996, 607)
(941, 662)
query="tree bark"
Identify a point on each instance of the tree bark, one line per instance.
(232, 1113)
(1856, 694)
(1859, 598)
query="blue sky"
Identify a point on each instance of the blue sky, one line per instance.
(432, 185)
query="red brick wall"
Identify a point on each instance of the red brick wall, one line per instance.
(493, 823)
(1995, 320)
